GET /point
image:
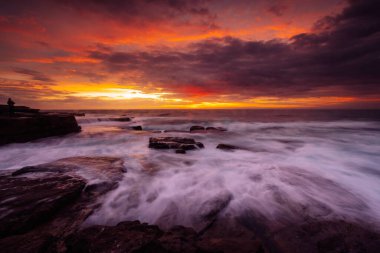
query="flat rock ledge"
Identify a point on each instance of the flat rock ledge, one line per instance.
(41, 205)
(181, 145)
(31, 126)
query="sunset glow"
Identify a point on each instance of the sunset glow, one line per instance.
(183, 54)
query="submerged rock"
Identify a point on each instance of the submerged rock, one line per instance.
(121, 119)
(137, 128)
(197, 128)
(201, 129)
(227, 147)
(216, 129)
(199, 144)
(180, 151)
(177, 143)
(35, 126)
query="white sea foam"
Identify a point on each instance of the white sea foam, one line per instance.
(287, 170)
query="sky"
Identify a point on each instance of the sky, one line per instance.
(158, 54)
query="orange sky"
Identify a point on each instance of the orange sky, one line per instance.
(163, 54)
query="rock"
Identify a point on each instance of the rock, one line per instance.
(199, 144)
(137, 128)
(4, 110)
(35, 126)
(197, 128)
(173, 143)
(107, 169)
(27, 202)
(43, 207)
(216, 129)
(40, 205)
(208, 211)
(327, 236)
(122, 119)
(227, 235)
(132, 236)
(227, 147)
(180, 151)
(79, 114)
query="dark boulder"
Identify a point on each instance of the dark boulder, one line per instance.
(122, 119)
(173, 143)
(226, 147)
(199, 144)
(197, 128)
(137, 128)
(216, 129)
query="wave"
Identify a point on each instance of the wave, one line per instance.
(285, 171)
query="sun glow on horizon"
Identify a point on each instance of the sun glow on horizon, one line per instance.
(119, 94)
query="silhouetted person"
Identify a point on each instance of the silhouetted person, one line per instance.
(11, 105)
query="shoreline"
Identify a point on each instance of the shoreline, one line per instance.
(64, 199)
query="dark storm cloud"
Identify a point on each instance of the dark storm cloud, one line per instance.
(35, 75)
(341, 56)
(138, 12)
(277, 9)
(142, 7)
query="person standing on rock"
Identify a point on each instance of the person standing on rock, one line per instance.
(11, 105)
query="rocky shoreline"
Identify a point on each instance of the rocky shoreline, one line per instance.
(30, 124)
(43, 209)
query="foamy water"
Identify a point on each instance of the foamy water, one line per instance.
(288, 170)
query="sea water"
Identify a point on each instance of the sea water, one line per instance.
(318, 164)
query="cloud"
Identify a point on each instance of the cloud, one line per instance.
(341, 56)
(35, 75)
(277, 9)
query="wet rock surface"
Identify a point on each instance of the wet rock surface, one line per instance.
(27, 202)
(41, 205)
(177, 143)
(139, 237)
(327, 236)
(31, 126)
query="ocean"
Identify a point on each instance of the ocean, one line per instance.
(292, 165)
